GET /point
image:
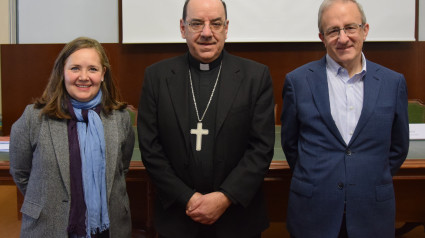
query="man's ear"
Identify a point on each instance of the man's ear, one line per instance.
(226, 28)
(366, 31)
(182, 29)
(322, 38)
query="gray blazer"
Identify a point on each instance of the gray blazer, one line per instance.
(39, 164)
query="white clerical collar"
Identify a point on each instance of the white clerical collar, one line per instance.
(196, 64)
(204, 67)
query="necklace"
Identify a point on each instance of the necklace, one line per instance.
(199, 132)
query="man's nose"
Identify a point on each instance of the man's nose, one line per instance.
(206, 31)
(342, 37)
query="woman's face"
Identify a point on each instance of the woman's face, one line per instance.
(83, 74)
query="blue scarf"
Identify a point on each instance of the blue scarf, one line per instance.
(92, 150)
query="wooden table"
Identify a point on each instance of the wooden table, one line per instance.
(409, 185)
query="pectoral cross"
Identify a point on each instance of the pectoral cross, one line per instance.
(199, 132)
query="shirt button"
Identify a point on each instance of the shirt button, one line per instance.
(348, 152)
(340, 186)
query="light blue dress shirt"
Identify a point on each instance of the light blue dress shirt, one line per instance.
(345, 96)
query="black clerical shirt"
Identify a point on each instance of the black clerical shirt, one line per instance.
(202, 166)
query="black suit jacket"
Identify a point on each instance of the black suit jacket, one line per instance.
(243, 149)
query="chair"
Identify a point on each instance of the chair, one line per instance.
(133, 114)
(416, 111)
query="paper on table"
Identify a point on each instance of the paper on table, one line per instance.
(4, 143)
(417, 131)
(4, 146)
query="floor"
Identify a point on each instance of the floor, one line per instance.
(10, 225)
(8, 212)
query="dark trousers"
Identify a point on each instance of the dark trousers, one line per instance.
(199, 236)
(104, 234)
(209, 232)
(343, 231)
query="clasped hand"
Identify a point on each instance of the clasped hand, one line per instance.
(207, 208)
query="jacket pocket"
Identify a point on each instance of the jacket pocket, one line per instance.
(384, 192)
(31, 209)
(302, 188)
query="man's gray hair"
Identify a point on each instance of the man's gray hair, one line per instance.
(327, 3)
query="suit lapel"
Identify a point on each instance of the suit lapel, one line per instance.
(371, 92)
(60, 145)
(59, 128)
(317, 78)
(230, 81)
(111, 146)
(178, 88)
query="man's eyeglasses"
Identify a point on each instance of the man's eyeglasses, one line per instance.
(348, 30)
(198, 26)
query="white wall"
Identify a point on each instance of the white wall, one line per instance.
(60, 21)
(421, 21)
(4, 22)
(147, 21)
(4, 33)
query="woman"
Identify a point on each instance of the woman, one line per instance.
(71, 149)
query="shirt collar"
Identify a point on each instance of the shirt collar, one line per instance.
(335, 68)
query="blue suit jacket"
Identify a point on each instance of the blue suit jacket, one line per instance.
(326, 171)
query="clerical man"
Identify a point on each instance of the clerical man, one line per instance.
(206, 133)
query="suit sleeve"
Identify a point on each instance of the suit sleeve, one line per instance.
(400, 130)
(170, 187)
(20, 150)
(245, 179)
(290, 127)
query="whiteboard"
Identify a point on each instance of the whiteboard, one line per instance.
(60, 21)
(146, 21)
(421, 21)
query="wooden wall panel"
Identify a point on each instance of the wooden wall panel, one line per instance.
(25, 72)
(26, 68)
